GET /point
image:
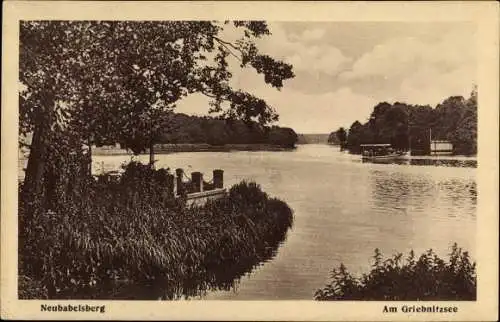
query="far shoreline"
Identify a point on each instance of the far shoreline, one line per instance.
(194, 147)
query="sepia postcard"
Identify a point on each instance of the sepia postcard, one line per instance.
(198, 160)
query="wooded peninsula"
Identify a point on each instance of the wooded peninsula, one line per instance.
(217, 131)
(407, 126)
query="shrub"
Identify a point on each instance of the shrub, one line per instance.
(115, 237)
(31, 289)
(426, 278)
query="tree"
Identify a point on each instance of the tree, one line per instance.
(446, 117)
(283, 136)
(420, 119)
(354, 137)
(376, 122)
(342, 137)
(408, 126)
(464, 137)
(109, 81)
(215, 131)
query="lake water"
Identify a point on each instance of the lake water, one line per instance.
(343, 210)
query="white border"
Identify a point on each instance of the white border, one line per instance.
(485, 14)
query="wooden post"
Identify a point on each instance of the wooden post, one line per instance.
(218, 176)
(170, 185)
(151, 154)
(89, 160)
(197, 180)
(178, 173)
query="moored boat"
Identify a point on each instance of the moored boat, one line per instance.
(382, 152)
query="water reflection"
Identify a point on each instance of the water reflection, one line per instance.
(459, 163)
(456, 190)
(343, 210)
(220, 278)
(394, 192)
(407, 193)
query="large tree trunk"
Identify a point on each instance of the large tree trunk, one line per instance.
(33, 188)
(33, 182)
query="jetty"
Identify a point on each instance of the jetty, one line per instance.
(194, 188)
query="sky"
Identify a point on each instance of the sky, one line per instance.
(343, 69)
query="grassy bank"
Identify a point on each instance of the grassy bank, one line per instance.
(427, 278)
(130, 240)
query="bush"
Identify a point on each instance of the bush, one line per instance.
(31, 289)
(282, 136)
(428, 278)
(115, 238)
(139, 184)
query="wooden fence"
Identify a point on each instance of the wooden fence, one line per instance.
(194, 188)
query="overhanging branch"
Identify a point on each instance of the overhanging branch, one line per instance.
(226, 45)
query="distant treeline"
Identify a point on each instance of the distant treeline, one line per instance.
(313, 138)
(335, 137)
(214, 131)
(412, 126)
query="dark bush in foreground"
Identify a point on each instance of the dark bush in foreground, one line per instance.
(128, 239)
(426, 278)
(31, 289)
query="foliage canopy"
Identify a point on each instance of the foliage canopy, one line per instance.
(113, 81)
(410, 126)
(107, 82)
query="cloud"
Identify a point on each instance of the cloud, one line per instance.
(313, 34)
(331, 90)
(417, 71)
(313, 113)
(304, 51)
(304, 112)
(319, 59)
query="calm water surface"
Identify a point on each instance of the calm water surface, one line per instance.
(343, 209)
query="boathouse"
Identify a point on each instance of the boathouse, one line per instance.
(441, 147)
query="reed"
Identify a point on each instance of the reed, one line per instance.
(113, 237)
(428, 278)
